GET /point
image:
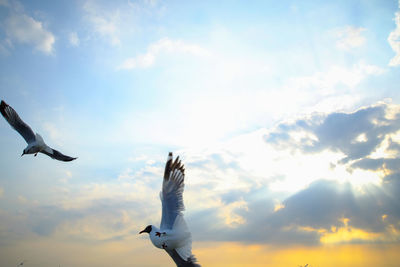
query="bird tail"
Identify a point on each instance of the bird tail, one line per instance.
(193, 261)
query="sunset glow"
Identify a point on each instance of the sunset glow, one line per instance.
(285, 114)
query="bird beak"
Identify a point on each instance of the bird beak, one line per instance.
(141, 232)
(22, 154)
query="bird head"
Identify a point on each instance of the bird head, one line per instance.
(146, 230)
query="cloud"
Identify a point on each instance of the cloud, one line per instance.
(74, 39)
(329, 81)
(339, 131)
(349, 38)
(162, 46)
(232, 185)
(368, 139)
(95, 213)
(394, 41)
(104, 22)
(21, 28)
(333, 210)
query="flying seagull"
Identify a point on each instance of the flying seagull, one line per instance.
(173, 235)
(35, 141)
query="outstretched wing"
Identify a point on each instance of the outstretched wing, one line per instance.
(190, 262)
(15, 121)
(56, 154)
(172, 190)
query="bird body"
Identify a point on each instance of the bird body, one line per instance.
(35, 146)
(35, 142)
(173, 235)
(169, 239)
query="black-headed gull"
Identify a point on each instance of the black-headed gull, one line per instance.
(35, 141)
(173, 235)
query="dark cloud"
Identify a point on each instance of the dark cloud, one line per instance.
(338, 132)
(43, 220)
(108, 215)
(321, 206)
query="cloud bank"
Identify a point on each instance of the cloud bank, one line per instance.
(225, 187)
(23, 29)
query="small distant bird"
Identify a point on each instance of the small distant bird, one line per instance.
(22, 263)
(35, 141)
(173, 236)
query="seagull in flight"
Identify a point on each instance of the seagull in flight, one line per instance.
(173, 235)
(35, 141)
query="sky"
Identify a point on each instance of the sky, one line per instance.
(286, 115)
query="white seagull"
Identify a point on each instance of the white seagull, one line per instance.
(173, 236)
(35, 141)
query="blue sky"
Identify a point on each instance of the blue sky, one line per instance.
(286, 115)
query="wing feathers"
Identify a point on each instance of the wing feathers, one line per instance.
(168, 166)
(15, 121)
(172, 191)
(56, 154)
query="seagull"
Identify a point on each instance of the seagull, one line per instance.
(173, 235)
(35, 141)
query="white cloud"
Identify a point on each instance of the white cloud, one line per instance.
(227, 212)
(74, 39)
(394, 40)
(104, 22)
(99, 226)
(350, 37)
(21, 28)
(162, 46)
(337, 75)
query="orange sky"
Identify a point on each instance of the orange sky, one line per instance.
(138, 252)
(230, 254)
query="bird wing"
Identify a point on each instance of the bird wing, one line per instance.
(15, 121)
(190, 262)
(184, 249)
(56, 154)
(172, 190)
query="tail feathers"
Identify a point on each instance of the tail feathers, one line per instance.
(180, 262)
(186, 252)
(192, 259)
